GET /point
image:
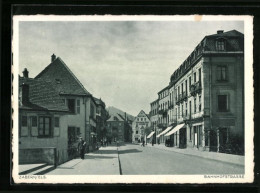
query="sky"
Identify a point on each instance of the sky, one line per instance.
(125, 63)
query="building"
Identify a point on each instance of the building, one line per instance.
(81, 104)
(141, 127)
(43, 125)
(117, 128)
(207, 96)
(163, 124)
(154, 117)
(102, 116)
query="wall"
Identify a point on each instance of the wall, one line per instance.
(37, 155)
(59, 140)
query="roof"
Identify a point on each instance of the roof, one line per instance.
(42, 96)
(99, 101)
(234, 43)
(66, 82)
(115, 116)
(165, 88)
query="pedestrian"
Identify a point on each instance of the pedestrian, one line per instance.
(143, 143)
(81, 147)
(152, 142)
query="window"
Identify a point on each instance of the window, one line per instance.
(194, 75)
(56, 122)
(190, 107)
(221, 73)
(181, 87)
(199, 103)
(199, 74)
(220, 45)
(71, 105)
(222, 103)
(190, 133)
(186, 85)
(195, 105)
(190, 80)
(141, 119)
(78, 106)
(136, 132)
(92, 110)
(186, 109)
(34, 121)
(44, 126)
(24, 121)
(178, 111)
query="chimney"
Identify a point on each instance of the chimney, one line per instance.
(24, 93)
(53, 57)
(220, 31)
(25, 73)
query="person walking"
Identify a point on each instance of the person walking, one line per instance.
(81, 147)
(143, 143)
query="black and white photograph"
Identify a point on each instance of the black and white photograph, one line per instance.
(132, 99)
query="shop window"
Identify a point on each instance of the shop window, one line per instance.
(44, 126)
(34, 121)
(222, 73)
(222, 103)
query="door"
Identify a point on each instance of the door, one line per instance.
(73, 133)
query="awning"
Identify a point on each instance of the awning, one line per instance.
(165, 131)
(178, 127)
(150, 135)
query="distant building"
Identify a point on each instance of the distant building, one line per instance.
(206, 96)
(140, 125)
(154, 117)
(118, 128)
(43, 123)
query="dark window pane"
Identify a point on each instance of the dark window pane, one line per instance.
(34, 121)
(24, 121)
(222, 103)
(71, 105)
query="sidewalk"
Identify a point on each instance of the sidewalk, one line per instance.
(101, 162)
(229, 158)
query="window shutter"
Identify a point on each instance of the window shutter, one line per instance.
(56, 132)
(34, 131)
(24, 131)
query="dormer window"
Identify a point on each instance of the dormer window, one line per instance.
(220, 44)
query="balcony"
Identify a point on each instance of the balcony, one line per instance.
(195, 88)
(181, 97)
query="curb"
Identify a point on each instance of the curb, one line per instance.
(237, 164)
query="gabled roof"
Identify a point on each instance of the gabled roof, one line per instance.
(66, 82)
(42, 96)
(231, 33)
(142, 113)
(112, 118)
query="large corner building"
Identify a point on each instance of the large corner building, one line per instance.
(203, 105)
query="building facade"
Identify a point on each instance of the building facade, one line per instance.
(116, 128)
(42, 123)
(154, 117)
(206, 96)
(141, 127)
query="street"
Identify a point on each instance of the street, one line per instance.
(133, 159)
(136, 159)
